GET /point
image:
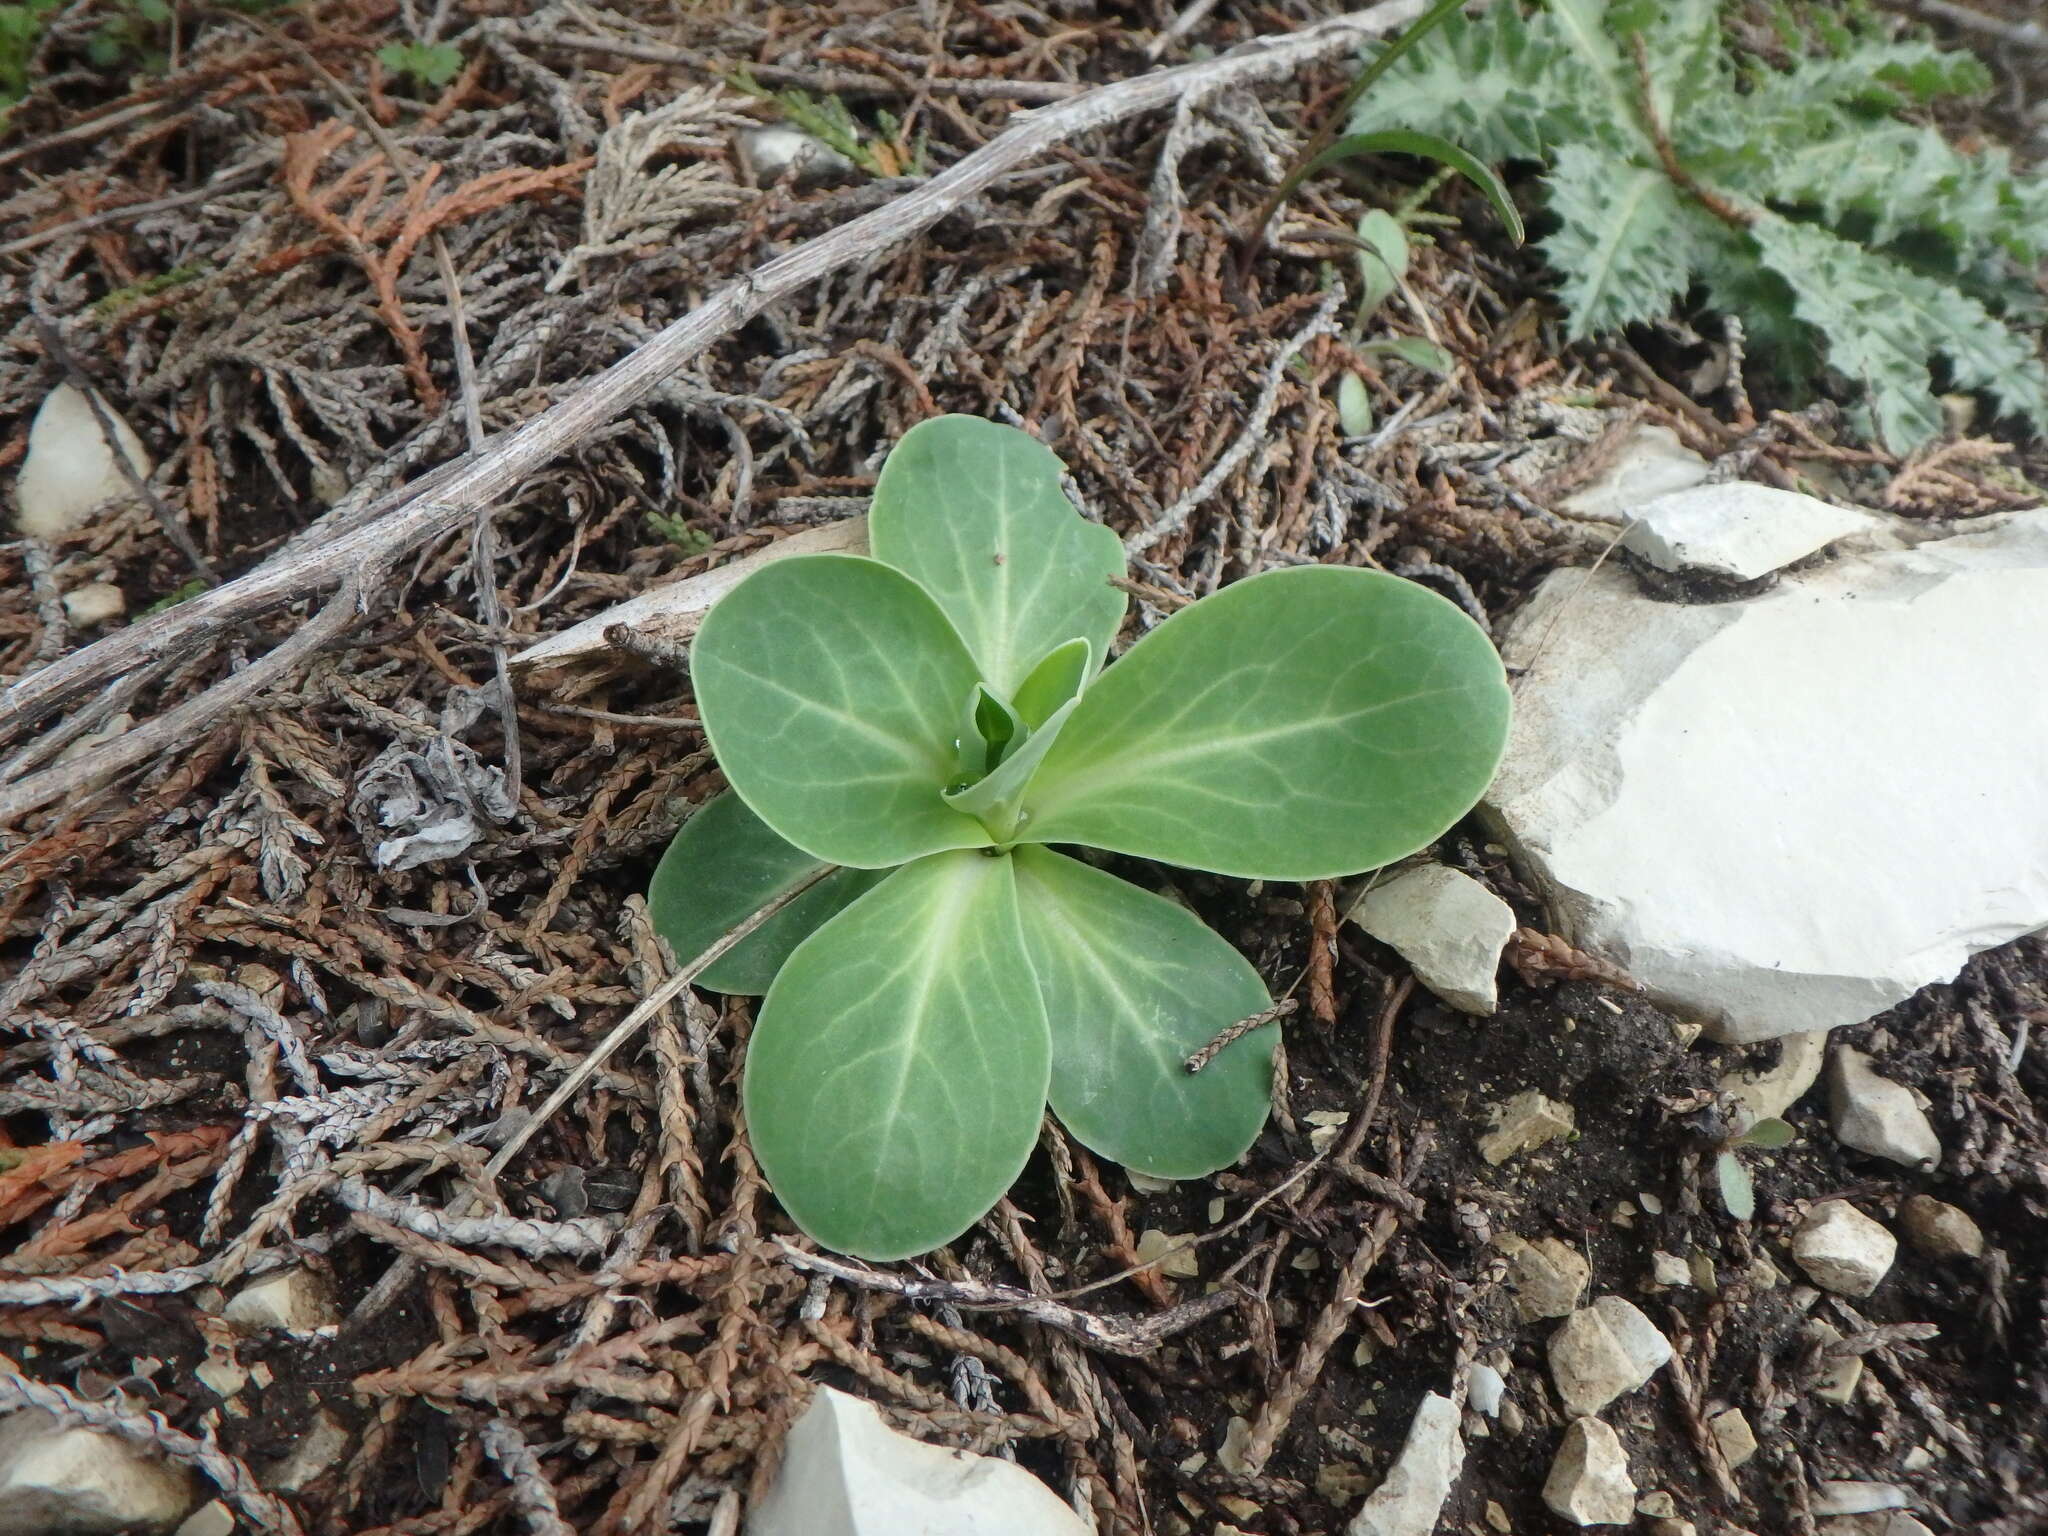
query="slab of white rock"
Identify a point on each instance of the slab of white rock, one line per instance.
(1652, 463)
(1589, 1483)
(1413, 1493)
(1604, 1351)
(1738, 530)
(1446, 925)
(1791, 812)
(79, 1482)
(1842, 1249)
(846, 1473)
(69, 468)
(1876, 1115)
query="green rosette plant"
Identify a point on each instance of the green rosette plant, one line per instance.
(933, 720)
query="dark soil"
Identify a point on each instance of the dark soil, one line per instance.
(652, 1387)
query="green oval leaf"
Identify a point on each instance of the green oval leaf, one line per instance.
(1382, 258)
(973, 512)
(1059, 677)
(1133, 986)
(896, 1081)
(1306, 723)
(1738, 1193)
(1768, 1135)
(1427, 146)
(830, 687)
(724, 865)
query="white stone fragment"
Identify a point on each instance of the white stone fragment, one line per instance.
(79, 1482)
(1408, 1502)
(771, 150)
(846, 1473)
(1842, 1249)
(1738, 530)
(672, 613)
(94, 603)
(1237, 1439)
(1484, 1389)
(70, 469)
(1446, 925)
(323, 1442)
(1652, 463)
(1528, 1120)
(1546, 1276)
(1793, 811)
(1876, 1115)
(1604, 1351)
(1589, 1482)
(1733, 1435)
(1145, 1184)
(1173, 1252)
(211, 1519)
(1840, 1375)
(1854, 1498)
(1768, 1094)
(1890, 1522)
(1669, 1271)
(296, 1300)
(1940, 1231)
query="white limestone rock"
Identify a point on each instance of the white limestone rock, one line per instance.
(1546, 1276)
(94, 603)
(79, 1482)
(1733, 1435)
(1604, 1351)
(1939, 1230)
(1845, 1497)
(1768, 1094)
(1889, 1522)
(322, 1444)
(212, 1519)
(1589, 1482)
(296, 1300)
(1739, 530)
(1485, 1388)
(1408, 1502)
(770, 151)
(1793, 811)
(846, 1473)
(1839, 1374)
(1843, 1250)
(1446, 925)
(1876, 1115)
(1521, 1124)
(70, 470)
(1652, 463)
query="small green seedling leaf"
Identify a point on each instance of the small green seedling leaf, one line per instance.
(1416, 351)
(831, 689)
(1382, 258)
(1354, 406)
(896, 1081)
(1767, 1135)
(973, 512)
(1134, 985)
(428, 63)
(1738, 1193)
(1058, 679)
(1427, 146)
(1299, 725)
(723, 866)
